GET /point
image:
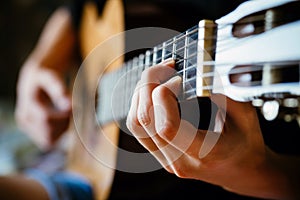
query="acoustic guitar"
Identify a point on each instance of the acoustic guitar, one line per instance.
(251, 54)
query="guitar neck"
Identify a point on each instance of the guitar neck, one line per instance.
(186, 49)
(234, 59)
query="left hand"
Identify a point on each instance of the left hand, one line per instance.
(239, 153)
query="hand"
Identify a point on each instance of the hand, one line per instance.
(239, 153)
(43, 105)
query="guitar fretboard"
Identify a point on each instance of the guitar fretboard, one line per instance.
(183, 48)
(273, 73)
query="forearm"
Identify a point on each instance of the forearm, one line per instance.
(21, 188)
(55, 47)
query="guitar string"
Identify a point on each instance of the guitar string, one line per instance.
(219, 39)
(243, 21)
(134, 79)
(228, 85)
(177, 38)
(242, 70)
(132, 82)
(193, 44)
(245, 68)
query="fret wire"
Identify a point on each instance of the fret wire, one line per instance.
(174, 48)
(159, 54)
(141, 61)
(142, 66)
(154, 55)
(127, 84)
(163, 51)
(119, 72)
(147, 58)
(184, 74)
(135, 62)
(134, 68)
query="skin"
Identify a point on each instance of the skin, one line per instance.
(20, 187)
(43, 106)
(240, 150)
(43, 110)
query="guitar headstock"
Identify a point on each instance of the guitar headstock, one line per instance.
(258, 57)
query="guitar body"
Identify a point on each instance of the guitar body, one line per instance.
(94, 30)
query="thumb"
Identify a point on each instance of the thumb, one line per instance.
(55, 87)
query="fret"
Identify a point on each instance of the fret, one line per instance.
(178, 56)
(191, 61)
(179, 51)
(147, 59)
(125, 91)
(154, 56)
(134, 73)
(163, 51)
(159, 54)
(135, 62)
(185, 86)
(174, 48)
(168, 49)
(141, 65)
(150, 59)
(117, 106)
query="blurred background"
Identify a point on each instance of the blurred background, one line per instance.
(21, 22)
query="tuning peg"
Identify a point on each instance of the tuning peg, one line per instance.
(291, 102)
(257, 102)
(270, 109)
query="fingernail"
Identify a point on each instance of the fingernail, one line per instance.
(168, 62)
(175, 79)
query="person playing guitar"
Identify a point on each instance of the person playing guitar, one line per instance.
(246, 161)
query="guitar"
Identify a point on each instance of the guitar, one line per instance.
(252, 54)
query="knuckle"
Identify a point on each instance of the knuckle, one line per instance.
(168, 131)
(143, 118)
(169, 169)
(132, 123)
(180, 171)
(160, 92)
(145, 112)
(147, 73)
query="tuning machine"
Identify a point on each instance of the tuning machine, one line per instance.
(287, 108)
